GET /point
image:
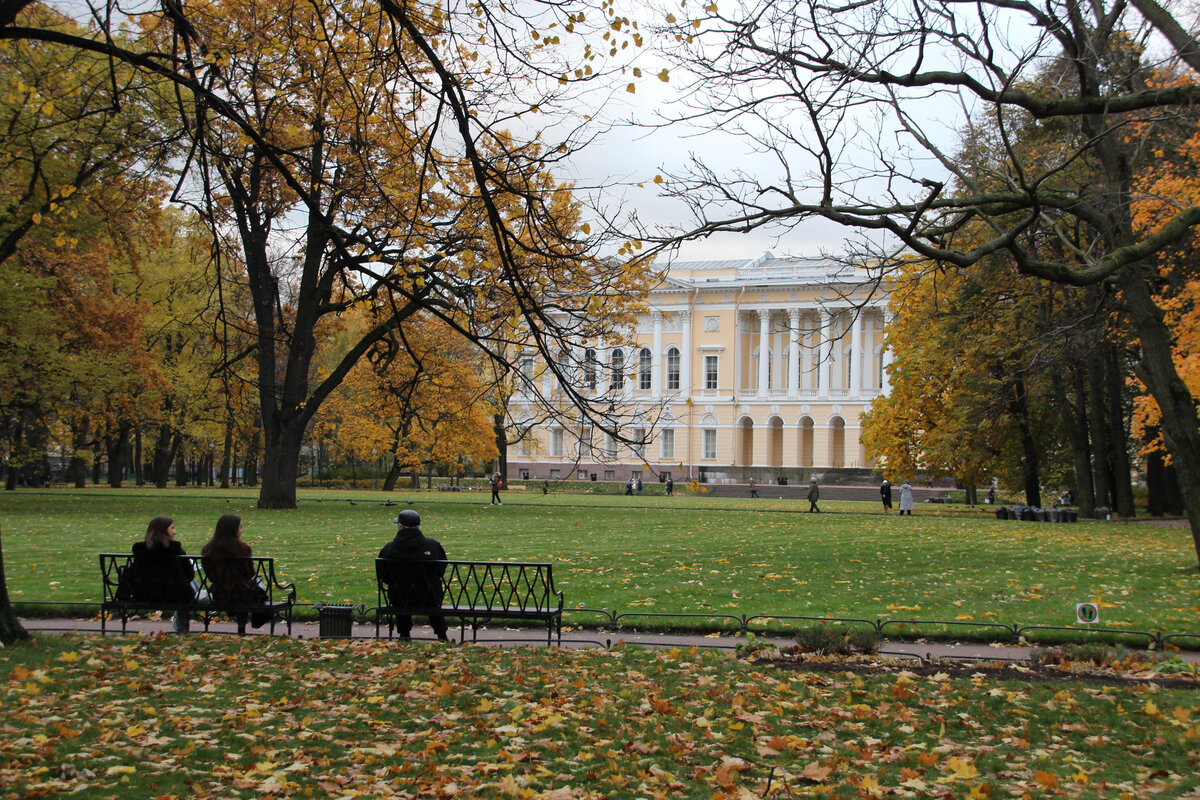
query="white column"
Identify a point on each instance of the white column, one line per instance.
(826, 353)
(685, 358)
(793, 354)
(656, 361)
(764, 346)
(856, 355)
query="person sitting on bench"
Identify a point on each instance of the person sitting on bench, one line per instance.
(410, 583)
(159, 573)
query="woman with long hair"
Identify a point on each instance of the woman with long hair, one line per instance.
(231, 572)
(161, 571)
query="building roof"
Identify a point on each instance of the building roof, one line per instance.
(765, 270)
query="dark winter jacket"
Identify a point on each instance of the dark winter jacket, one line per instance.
(231, 574)
(161, 575)
(410, 582)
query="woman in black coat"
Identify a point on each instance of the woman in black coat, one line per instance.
(160, 572)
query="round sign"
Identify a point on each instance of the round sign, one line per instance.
(1087, 612)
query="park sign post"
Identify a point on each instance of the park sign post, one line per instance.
(1087, 613)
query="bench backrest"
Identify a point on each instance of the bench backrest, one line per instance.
(477, 584)
(258, 570)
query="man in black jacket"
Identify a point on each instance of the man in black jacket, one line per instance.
(411, 583)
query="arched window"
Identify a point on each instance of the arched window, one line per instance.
(645, 369)
(673, 369)
(617, 365)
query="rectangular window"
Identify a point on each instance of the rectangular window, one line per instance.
(672, 370)
(581, 475)
(610, 446)
(639, 443)
(555, 474)
(523, 446)
(710, 444)
(711, 374)
(590, 368)
(645, 370)
(667, 444)
(556, 443)
(610, 475)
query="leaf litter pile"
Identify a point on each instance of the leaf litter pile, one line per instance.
(220, 717)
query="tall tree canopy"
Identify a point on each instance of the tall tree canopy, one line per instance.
(361, 156)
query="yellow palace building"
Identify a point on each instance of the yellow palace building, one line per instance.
(758, 369)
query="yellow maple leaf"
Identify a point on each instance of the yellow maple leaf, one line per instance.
(961, 769)
(870, 786)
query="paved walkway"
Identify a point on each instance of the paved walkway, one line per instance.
(574, 638)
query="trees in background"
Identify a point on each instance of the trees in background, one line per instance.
(852, 102)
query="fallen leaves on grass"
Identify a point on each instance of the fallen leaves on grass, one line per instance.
(210, 717)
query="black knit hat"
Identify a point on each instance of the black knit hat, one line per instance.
(409, 519)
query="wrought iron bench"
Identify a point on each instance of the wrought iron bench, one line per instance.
(280, 597)
(475, 592)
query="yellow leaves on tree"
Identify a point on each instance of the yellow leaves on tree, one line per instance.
(421, 401)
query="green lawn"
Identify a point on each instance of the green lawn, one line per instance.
(211, 717)
(655, 555)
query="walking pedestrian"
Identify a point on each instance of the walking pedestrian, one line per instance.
(814, 494)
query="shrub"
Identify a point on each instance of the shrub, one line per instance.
(833, 640)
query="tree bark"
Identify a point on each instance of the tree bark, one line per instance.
(15, 437)
(1030, 461)
(227, 453)
(1099, 430)
(1156, 369)
(1074, 422)
(10, 627)
(139, 471)
(501, 445)
(116, 447)
(1119, 436)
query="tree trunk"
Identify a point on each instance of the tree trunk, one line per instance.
(1118, 434)
(1099, 430)
(96, 462)
(501, 445)
(1074, 422)
(250, 471)
(1030, 461)
(181, 470)
(10, 478)
(163, 456)
(116, 447)
(10, 627)
(139, 472)
(394, 472)
(227, 453)
(280, 466)
(1156, 484)
(1156, 369)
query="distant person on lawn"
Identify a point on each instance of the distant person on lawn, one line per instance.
(159, 573)
(495, 483)
(230, 571)
(410, 582)
(885, 494)
(814, 494)
(906, 499)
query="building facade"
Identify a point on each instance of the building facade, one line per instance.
(740, 369)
